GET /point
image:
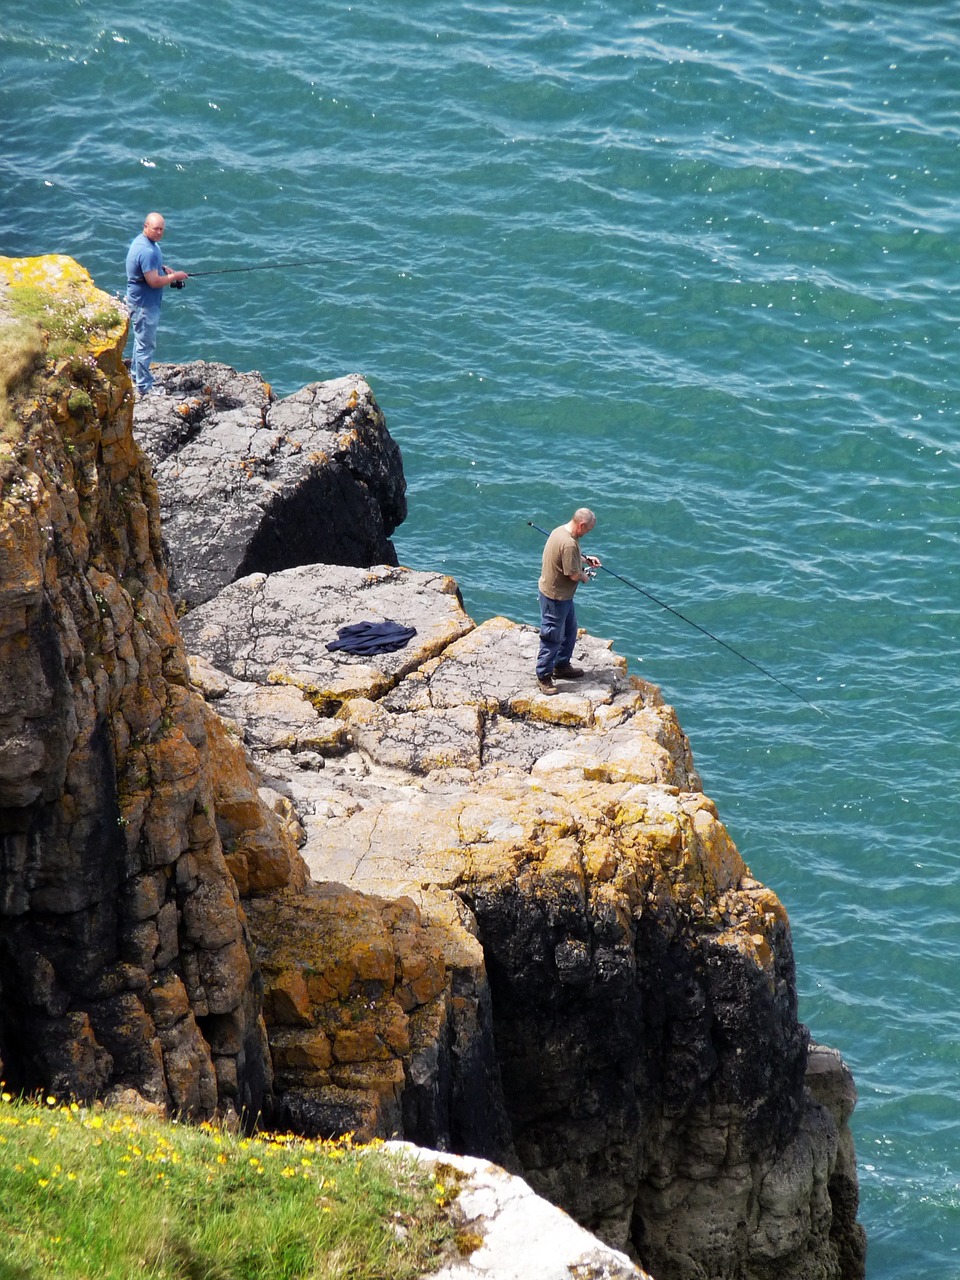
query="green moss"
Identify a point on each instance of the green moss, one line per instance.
(21, 355)
(38, 325)
(68, 320)
(80, 401)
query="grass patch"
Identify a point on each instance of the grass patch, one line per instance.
(21, 355)
(68, 319)
(94, 1194)
(38, 325)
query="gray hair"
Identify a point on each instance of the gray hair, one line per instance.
(583, 515)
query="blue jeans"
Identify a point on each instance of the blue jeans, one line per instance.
(558, 633)
(144, 321)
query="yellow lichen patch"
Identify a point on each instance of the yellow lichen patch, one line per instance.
(718, 862)
(768, 906)
(305, 1050)
(57, 293)
(660, 833)
(562, 867)
(755, 946)
(22, 547)
(566, 709)
(286, 999)
(600, 861)
(360, 681)
(493, 864)
(372, 960)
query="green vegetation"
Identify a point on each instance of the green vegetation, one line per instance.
(94, 1194)
(37, 325)
(66, 317)
(21, 353)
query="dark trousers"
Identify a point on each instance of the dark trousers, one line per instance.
(558, 633)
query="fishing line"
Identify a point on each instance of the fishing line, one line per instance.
(696, 625)
(263, 266)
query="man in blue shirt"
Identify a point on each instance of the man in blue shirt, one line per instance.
(147, 278)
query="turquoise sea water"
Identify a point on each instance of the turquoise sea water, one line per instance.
(694, 265)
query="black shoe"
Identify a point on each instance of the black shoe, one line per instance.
(546, 685)
(567, 671)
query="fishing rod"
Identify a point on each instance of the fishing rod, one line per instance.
(696, 625)
(262, 266)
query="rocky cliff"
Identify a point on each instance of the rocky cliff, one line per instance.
(125, 960)
(400, 893)
(251, 483)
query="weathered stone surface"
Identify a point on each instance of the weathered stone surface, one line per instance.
(544, 948)
(506, 1232)
(273, 629)
(641, 988)
(368, 1005)
(121, 933)
(249, 483)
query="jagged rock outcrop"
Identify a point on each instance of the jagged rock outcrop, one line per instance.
(125, 961)
(249, 483)
(640, 981)
(399, 893)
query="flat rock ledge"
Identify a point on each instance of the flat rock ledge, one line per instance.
(384, 756)
(555, 956)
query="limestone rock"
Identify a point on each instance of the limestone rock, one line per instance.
(272, 630)
(379, 1020)
(637, 981)
(123, 949)
(506, 1232)
(250, 483)
(492, 921)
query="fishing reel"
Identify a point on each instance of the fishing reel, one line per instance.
(177, 284)
(589, 570)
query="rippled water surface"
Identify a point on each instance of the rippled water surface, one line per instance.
(694, 265)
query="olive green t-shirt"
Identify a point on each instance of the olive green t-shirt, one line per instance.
(561, 557)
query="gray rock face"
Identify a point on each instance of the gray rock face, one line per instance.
(273, 630)
(249, 483)
(637, 982)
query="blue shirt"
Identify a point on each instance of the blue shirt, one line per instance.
(143, 255)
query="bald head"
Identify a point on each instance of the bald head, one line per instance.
(153, 226)
(582, 521)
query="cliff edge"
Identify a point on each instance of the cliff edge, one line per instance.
(399, 893)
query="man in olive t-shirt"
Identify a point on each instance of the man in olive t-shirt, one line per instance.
(561, 573)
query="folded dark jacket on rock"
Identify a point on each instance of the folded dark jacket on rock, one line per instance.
(372, 637)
